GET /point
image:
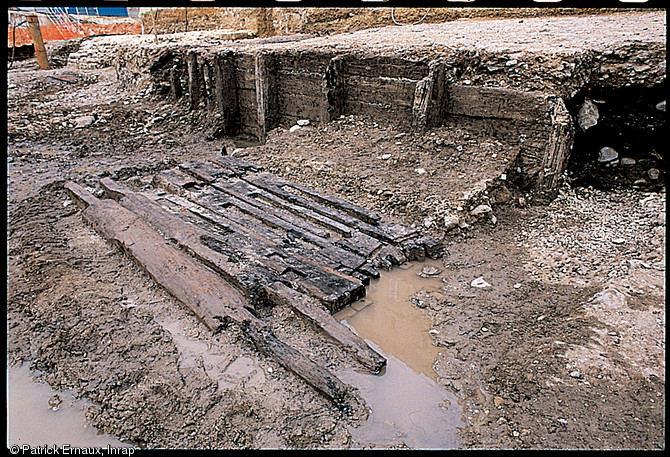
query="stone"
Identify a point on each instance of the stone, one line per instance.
(420, 171)
(607, 154)
(654, 174)
(385, 156)
(628, 162)
(481, 209)
(575, 374)
(423, 299)
(588, 115)
(498, 401)
(302, 122)
(294, 128)
(84, 121)
(450, 221)
(429, 272)
(661, 106)
(480, 282)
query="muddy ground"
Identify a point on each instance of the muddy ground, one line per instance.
(563, 347)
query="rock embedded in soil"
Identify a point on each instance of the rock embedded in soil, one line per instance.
(607, 154)
(588, 115)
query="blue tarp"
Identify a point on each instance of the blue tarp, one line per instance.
(85, 11)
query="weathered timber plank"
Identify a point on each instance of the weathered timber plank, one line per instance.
(334, 88)
(195, 80)
(357, 211)
(251, 192)
(390, 67)
(175, 181)
(326, 322)
(487, 102)
(225, 91)
(556, 152)
(313, 247)
(216, 199)
(206, 171)
(422, 105)
(391, 233)
(399, 93)
(266, 92)
(291, 359)
(199, 288)
(264, 213)
(333, 288)
(237, 165)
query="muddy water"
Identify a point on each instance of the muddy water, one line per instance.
(408, 406)
(32, 419)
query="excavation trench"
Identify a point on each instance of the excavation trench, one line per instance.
(249, 237)
(619, 137)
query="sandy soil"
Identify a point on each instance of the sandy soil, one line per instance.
(564, 348)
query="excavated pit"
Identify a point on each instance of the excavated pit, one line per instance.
(631, 121)
(472, 131)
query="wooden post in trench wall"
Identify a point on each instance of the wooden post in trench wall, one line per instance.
(36, 35)
(266, 93)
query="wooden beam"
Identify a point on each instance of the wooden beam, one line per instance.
(38, 43)
(334, 88)
(313, 311)
(199, 288)
(265, 82)
(225, 87)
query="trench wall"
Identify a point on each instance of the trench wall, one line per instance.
(249, 92)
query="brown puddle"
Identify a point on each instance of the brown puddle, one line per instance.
(408, 406)
(35, 419)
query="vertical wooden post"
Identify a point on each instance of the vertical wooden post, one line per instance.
(175, 82)
(556, 152)
(195, 80)
(428, 104)
(225, 83)
(266, 93)
(36, 35)
(333, 88)
(422, 102)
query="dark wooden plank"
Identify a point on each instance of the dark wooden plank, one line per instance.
(333, 288)
(199, 288)
(252, 192)
(237, 165)
(357, 211)
(262, 212)
(291, 359)
(203, 291)
(328, 324)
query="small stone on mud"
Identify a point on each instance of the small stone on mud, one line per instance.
(480, 282)
(429, 271)
(84, 121)
(294, 128)
(575, 374)
(302, 122)
(498, 401)
(54, 402)
(385, 156)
